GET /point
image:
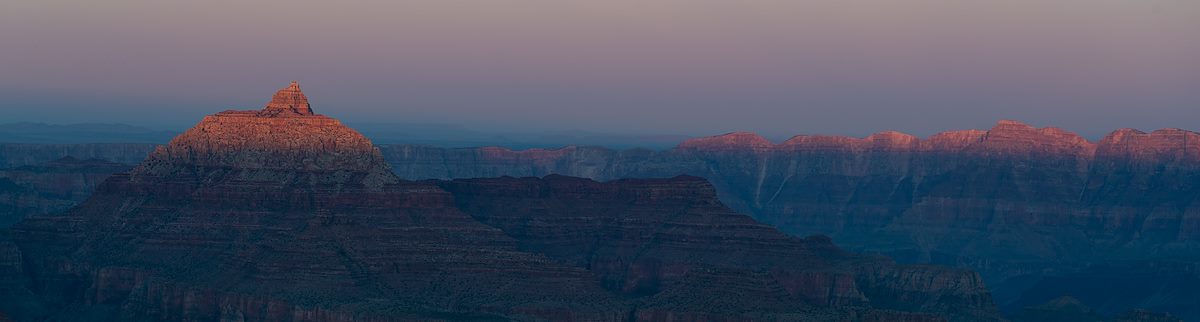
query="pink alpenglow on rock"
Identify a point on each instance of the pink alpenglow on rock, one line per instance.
(262, 216)
(289, 101)
(283, 136)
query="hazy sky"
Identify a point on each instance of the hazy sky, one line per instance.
(645, 66)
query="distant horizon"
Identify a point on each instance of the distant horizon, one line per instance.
(443, 135)
(689, 67)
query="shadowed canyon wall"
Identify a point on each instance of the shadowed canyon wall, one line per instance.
(1040, 212)
(50, 187)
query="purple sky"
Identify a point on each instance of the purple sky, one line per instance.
(693, 67)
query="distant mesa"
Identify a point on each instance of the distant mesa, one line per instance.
(729, 141)
(1007, 137)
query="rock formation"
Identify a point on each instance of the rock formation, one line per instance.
(672, 242)
(1018, 203)
(282, 215)
(289, 101)
(50, 187)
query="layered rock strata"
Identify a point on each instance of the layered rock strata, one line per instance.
(282, 215)
(671, 242)
(50, 187)
(1016, 202)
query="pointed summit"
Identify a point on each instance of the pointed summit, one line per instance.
(289, 101)
(268, 144)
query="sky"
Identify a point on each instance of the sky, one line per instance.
(690, 67)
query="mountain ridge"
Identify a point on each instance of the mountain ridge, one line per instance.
(282, 214)
(1005, 136)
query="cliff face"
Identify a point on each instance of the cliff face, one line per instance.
(672, 242)
(269, 147)
(18, 302)
(1016, 202)
(285, 215)
(175, 248)
(50, 187)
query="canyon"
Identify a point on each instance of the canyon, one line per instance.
(1040, 212)
(281, 214)
(50, 187)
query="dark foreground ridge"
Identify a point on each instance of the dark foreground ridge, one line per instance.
(286, 215)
